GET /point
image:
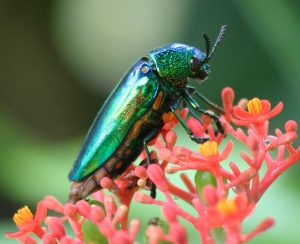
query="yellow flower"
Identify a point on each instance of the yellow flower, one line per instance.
(227, 206)
(208, 149)
(23, 216)
(26, 222)
(254, 106)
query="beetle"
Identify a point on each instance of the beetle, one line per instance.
(133, 113)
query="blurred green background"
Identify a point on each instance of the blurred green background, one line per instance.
(60, 59)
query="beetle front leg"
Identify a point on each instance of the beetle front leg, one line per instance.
(196, 107)
(192, 90)
(191, 111)
(196, 139)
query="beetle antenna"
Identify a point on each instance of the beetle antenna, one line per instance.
(220, 37)
(207, 43)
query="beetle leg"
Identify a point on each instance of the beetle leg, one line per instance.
(133, 179)
(196, 106)
(192, 90)
(194, 115)
(196, 139)
(148, 138)
(191, 111)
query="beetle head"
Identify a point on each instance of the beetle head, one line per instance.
(199, 67)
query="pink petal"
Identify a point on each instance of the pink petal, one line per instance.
(178, 233)
(155, 234)
(57, 228)
(195, 126)
(143, 198)
(134, 227)
(171, 138)
(71, 211)
(169, 213)
(242, 114)
(227, 97)
(83, 208)
(53, 204)
(276, 110)
(14, 234)
(240, 122)
(41, 212)
(227, 150)
(97, 214)
(291, 125)
(266, 106)
(156, 174)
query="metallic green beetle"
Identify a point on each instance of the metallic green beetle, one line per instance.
(133, 113)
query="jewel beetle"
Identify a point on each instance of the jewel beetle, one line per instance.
(133, 113)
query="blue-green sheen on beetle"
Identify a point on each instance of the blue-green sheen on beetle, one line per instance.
(133, 113)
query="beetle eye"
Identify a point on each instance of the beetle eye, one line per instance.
(195, 63)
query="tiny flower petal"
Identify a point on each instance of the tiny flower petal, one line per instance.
(290, 126)
(134, 227)
(195, 126)
(49, 239)
(275, 111)
(165, 154)
(141, 172)
(266, 224)
(71, 211)
(227, 97)
(171, 138)
(108, 183)
(53, 204)
(169, 213)
(206, 120)
(178, 233)
(107, 228)
(155, 234)
(156, 174)
(97, 214)
(83, 208)
(57, 228)
(210, 195)
(121, 212)
(26, 239)
(110, 204)
(68, 240)
(143, 198)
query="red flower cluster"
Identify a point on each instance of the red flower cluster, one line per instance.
(208, 194)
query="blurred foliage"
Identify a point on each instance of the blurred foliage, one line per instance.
(60, 59)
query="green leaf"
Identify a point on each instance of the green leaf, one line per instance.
(92, 234)
(219, 235)
(203, 179)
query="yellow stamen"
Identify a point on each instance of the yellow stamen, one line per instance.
(209, 148)
(254, 106)
(23, 216)
(227, 206)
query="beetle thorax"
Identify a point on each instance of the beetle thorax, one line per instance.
(171, 63)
